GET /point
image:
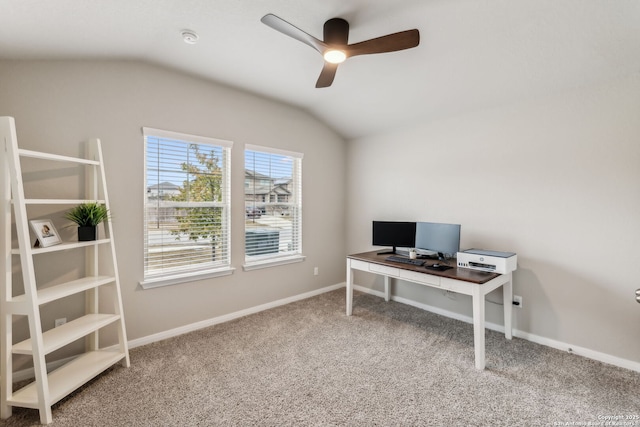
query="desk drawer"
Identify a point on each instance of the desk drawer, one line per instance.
(423, 278)
(457, 286)
(382, 269)
(359, 265)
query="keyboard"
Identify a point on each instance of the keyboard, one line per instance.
(403, 260)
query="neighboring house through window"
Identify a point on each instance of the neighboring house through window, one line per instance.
(273, 207)
(187, 207)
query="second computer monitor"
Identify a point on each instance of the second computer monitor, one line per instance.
(394, 233)
(437, 237)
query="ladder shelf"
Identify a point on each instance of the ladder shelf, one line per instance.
(60, 201)
(56, 157)
(63, 247)
(49, 387)
(68, 377)
(69, 332)
(63, 290)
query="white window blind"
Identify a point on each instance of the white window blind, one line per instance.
(187, 208)
(273, 204)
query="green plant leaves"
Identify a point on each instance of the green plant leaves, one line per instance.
(88, 214)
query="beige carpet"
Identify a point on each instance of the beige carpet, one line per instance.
(307, 364)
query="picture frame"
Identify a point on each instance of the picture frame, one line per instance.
(45, 232)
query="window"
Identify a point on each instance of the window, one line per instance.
(187, 208)
(273, 207)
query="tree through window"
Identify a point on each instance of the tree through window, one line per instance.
(187, 210)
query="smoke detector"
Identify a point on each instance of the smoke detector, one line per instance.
(189, 37)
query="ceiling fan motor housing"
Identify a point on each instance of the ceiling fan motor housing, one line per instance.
(336, 32)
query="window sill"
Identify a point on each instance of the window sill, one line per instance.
(185, 277)
(273, 262)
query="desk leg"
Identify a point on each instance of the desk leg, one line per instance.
(387, 288)
(478, 327)
(507, 292)
(349, 288)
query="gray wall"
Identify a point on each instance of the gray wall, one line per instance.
(556, 180)
(59, 104)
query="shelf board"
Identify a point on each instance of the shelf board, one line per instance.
(60, 201)
(66, 289)
(67, 333)
(56, 157)
(63, 246)
(67, 378)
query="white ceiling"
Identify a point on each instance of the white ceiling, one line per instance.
(473, 54)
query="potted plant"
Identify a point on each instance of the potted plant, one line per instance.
(87, 216)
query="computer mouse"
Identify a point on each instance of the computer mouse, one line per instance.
(436, 266)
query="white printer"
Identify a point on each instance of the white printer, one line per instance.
(490, 261)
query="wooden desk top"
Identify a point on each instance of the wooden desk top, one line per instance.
(455, 273)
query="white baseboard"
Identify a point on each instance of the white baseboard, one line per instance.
(26, 374)
(580, 351)
(227, 317)
(559, 345)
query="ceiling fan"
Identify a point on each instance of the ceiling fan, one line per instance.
(335, 48)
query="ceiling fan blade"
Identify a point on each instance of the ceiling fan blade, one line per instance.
(327, 75)
(389, 43)
(291, 30)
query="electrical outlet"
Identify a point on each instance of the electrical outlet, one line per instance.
(60, 322)
(315, 271)
(517, 301)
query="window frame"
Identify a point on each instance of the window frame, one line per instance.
(265, 261)
(196, 273)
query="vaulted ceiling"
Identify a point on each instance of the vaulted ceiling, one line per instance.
(473, 54)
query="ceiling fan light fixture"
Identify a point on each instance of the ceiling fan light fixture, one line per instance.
(189, 37)
(335, 56)
(335, 47)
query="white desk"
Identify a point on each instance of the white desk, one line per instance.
(463, 281)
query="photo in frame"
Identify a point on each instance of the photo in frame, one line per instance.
(45, 232)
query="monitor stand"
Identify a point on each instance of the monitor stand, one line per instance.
(388, 252)
(391, 252)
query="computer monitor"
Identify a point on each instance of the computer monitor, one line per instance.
(394, 234)
(436, 237)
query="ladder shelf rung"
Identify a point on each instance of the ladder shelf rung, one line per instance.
(63, 246)
(60, 201)
(68, 377)
(67, 333)
(48, 156)
(69, 288)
